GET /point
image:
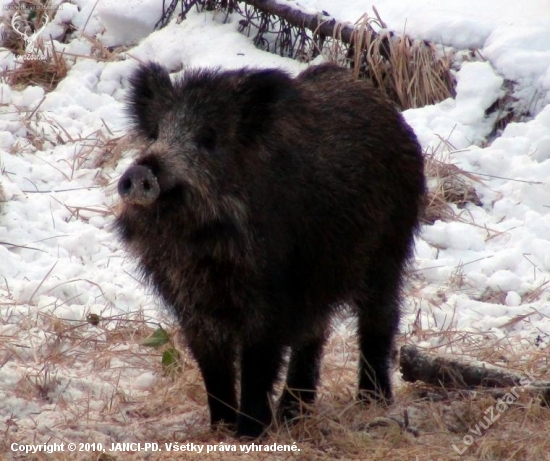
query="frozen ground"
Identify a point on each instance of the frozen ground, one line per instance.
(486, 272)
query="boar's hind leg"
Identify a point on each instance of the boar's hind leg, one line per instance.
(216, 360)
(303, 375)
(378, 323)
(261, 362)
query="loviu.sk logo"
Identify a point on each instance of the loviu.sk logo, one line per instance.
(494, 412)
(33, 51)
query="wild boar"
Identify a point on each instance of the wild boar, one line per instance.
(261, 204)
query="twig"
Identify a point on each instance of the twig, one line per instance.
(42, 282)
(21, 246)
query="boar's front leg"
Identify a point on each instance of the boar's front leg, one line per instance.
(216, 359)
(260, 365)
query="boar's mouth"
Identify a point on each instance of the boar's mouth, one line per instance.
(138, 186)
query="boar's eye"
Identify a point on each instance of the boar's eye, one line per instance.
(206, 138)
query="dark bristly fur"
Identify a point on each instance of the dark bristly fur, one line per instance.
(261, 203)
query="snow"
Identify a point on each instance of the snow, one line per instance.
(125, 22)
(461, 121)
(59, 255)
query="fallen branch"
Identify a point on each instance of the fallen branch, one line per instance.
(320, 23)
(454, 374)
(440, 371)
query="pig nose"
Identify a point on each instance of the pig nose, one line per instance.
(138, 186)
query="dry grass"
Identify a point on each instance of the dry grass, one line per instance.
(422, 424)
(450, 187)
(50, 70)
(100, 52)
(411, 72)
(46, 73)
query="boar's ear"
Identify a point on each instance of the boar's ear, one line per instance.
(150, 95)
(258, 92)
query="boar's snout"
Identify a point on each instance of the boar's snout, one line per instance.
(138, 186)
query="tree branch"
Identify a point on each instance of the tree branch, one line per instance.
(447, 373)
